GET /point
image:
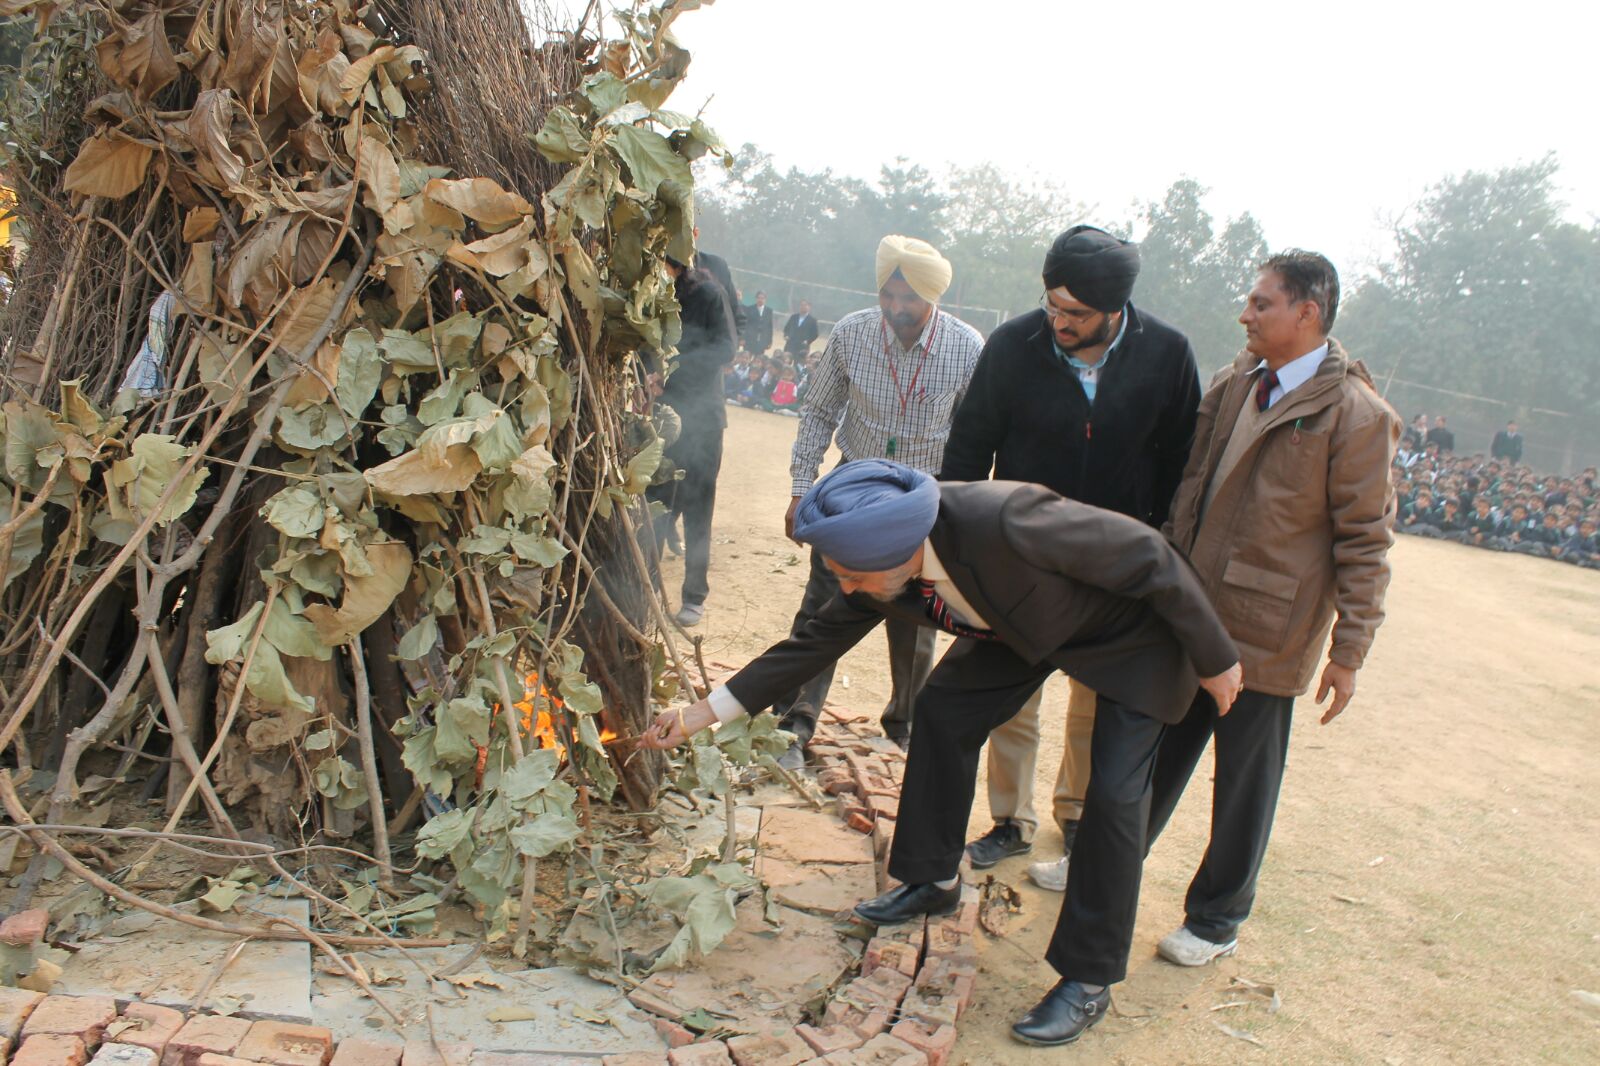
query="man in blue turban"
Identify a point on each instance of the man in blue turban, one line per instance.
(1029, 582)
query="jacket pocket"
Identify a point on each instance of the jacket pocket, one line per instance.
(1257, 604)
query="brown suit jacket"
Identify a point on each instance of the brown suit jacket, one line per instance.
(1298, 532)
(1094, 593)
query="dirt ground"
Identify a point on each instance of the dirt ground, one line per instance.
(1432, 894)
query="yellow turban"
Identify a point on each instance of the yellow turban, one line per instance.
(925, 270)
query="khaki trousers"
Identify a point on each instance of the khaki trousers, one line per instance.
(1014, 756)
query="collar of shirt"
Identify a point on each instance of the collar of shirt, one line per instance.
(1295, 372)
(933, 570)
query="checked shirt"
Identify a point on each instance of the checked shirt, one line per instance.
(855, 398)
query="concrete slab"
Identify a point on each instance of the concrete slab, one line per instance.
(550, 1011)
(803, 836)
(167, 963)
(821, 889)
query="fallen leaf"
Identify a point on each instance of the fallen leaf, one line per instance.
(998, 901)
(511, 1014)
(584, 1014)
(43, 976)
(1237, 1034)
(110, 165)
(476, 979)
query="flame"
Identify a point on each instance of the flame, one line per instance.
(537, 722)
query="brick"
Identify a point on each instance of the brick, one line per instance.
(529, 1058)
(828, 1039)
(286, 1044)
(152, 1027)
(914, 932)
(674, 1034)
(883, 806)
(84, 1017)
(25, 928)
(867, 1022)
(202, 1035)
(422, 1053)
(895, 955)
(943, 990)
(124, 1055)
(772, 1049)
(635, 1058)
(212, 1058)
(946, 940)
(882, 986)
(881, 1050)
(834, 780)
(934, 1042)
(651, 1003)
(51, 1049)
(366, 1053)
(15, 1006)
(858, 818)
(714, 1053)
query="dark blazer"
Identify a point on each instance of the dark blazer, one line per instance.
(758, 328)
(1026, 415)
(717, 267)
(1096, 594)
(798, 336)
(1506, 446)
(694, 388)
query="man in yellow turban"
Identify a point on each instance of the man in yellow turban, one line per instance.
(886, 386)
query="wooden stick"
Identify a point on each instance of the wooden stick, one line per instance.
(369, 764)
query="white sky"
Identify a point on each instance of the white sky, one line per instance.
(1322, 120)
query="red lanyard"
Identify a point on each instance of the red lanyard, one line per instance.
(910, 390)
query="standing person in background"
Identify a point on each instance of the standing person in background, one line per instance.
(694, 391)
(886, 385)
(1286, 512)
(758, 326)
(1095, 399)
(800, 331)
(1507, 444)
(717, 267)
(1441, 435)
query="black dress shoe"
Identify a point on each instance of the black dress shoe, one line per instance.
(910, 901)
(1001, 842)
(1063, 1015)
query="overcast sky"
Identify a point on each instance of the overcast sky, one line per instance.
(1322, 120)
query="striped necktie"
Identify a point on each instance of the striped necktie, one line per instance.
(1264, 386)
(944, 618)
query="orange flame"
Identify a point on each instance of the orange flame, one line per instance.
(538, 723)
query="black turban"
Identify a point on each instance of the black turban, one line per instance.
(1095, 267)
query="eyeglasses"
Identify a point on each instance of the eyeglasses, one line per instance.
(1056, 314)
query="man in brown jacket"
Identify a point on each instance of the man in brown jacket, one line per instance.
(1286, 511)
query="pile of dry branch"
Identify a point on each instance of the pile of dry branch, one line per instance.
(323, 448)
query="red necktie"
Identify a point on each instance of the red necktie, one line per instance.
(944, 618)
(1264, 387)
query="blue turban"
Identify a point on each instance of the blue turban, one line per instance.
(868, 515)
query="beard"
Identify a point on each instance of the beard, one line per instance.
(892, 594)
(1101, 334)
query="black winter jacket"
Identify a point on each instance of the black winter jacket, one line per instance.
(1026, 415)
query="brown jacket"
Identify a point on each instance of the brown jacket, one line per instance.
(1300, 530)
(1094, 593)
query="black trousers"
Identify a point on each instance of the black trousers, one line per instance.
(910, 659)
(1252, 747)
(980, 685)
(698, 453)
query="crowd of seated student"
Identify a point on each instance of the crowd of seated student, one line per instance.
(1497, 503)
(769, 383)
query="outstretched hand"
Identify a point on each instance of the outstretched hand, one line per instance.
(1341, 681)
(677, 724)
(1224, 688)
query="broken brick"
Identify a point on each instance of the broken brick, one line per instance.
(25, 928)
(772, 1049)
(635, 1058)
(51, 1049)
(834, 780)
(882, 987)
(946, 940)
(124, 1055)
(867, 1022)
(354, 1052)
(651, 1003)
(15, 1006)
(286, 1044)
(673, 1033)
(936, 1042)
(895, 955)
(212, 1058)
(153, 1027)
(206, 1034)
(84, 1017)
(828, 1039)
(858, 818)
(714, 1053)
(881, 1050)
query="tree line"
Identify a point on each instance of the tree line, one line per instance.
(1489, 290)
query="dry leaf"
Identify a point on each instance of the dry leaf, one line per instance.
(380, 174)
(511, 1014)
(498, 255)
(200, 224)
(476, 979)
(210, 130)
(110, 165)
(416, 473)
(43, 976)
(365, 598)
(1237, 1034)
(302, 318)
(479, 199)
(139, 58)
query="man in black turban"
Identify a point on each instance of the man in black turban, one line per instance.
(1093, 398)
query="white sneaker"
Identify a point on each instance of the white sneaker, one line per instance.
(1051, 876)
(1185, 949)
